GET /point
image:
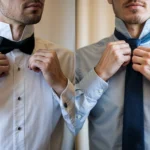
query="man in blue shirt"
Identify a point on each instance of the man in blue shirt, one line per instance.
(100, 77)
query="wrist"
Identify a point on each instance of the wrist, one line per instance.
(101, 74)
(60, 86)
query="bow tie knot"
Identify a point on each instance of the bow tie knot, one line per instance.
(26, 46)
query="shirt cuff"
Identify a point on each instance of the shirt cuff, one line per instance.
(92, 85)
(67, 105)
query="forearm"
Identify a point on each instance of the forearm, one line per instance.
(88, 91)
(67, 105)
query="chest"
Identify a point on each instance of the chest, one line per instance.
(25, 96)
(112, 101)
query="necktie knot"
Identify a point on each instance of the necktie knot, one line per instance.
(134, 43)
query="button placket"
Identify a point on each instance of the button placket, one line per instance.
(19, 99)
(19, 107)
(19, 128)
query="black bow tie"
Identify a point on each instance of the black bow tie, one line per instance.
(26, 46)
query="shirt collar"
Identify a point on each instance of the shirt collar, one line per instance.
(120, 26)
(5, 31)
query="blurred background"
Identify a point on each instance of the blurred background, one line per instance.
(58, 23)
(94, 21)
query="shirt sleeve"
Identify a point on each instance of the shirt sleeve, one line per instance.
(67, 105)
(88, 91)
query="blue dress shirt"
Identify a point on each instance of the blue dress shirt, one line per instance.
(102, 101)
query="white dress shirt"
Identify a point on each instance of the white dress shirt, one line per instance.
(29, 108)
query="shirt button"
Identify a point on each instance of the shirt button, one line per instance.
(18, 68)
(19, 128)
(19, 98)
(78, 116)
(100, 91)
(65, 105)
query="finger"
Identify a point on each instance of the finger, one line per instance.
(4, 62)
(46, 54)
(118, 42)
(145, 70)
(2, 56)
(119, 45)
(46, 51)
(147, 49)
(141, 53)
(126, 51)
(137, 60)
(36, 69)
(43, 54)
(122, 45)
(32, 67)
(126, 58)
(36, 65)
(4, 69)
(136, 67)
(3, 74)
(126, 63)
(115, 44)
(41, 58)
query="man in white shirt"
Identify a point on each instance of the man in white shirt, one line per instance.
(35, 89)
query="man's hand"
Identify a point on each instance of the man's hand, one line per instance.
(4, 65)
(115, 55)
(141, 61)
(47, 62)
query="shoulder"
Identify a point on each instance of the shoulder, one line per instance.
(94, 50)
(45, 44)
(95, 46)
(88, 56)
(65, 56)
